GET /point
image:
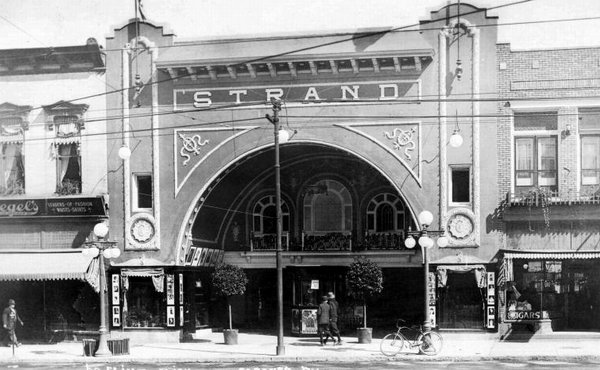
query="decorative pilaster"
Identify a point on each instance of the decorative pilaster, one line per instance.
(442, 70)
(475, 35)
(125, 85)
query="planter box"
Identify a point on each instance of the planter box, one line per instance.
(118, 346)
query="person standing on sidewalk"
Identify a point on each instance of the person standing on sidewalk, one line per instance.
(333, 317)
(9, 322)
(323, 321)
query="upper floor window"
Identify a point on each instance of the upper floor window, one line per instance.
(265, 216)
(66, 120)
(12, 169)
(536, 154)
(329, 209)
(385, 213)
(589, 127)
(142, 192)
(68, 168)
(460, 185)
(536, 162)
(13, 124)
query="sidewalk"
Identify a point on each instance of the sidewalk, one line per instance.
(262, 348)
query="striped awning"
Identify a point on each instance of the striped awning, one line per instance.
(63, 264)
(562, 255)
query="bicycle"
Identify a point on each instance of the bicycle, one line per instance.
(429, 343)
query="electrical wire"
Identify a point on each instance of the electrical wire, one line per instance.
(353, 38)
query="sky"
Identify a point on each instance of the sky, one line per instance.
(45, 23)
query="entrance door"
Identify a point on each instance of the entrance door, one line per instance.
(583, 301)
(461, 302)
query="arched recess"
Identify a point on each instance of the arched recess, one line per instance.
(256, 165)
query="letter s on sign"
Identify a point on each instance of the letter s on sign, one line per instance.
(202, 99)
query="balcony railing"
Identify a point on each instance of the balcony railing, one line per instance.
(542, 198)
(330, 242)
(268, 242)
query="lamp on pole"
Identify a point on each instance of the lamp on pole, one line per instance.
(279, 136)
(102, 249)
(425, 219)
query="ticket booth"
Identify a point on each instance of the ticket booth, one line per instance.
(309, 285)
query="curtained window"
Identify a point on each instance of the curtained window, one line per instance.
(68, 163)
(12, 171)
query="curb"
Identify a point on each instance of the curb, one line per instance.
(304, 359)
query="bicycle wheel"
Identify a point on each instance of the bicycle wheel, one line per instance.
(391, 344)
(430, 343)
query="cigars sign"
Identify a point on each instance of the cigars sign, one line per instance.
(14, 208)
(296, 94)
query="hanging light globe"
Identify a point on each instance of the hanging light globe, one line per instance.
(443, 241)
(124, 152)
(284, 136)
(456, 140)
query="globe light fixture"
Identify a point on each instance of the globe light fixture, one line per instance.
(124, 152)
(425, 241)
(101, 230)
(456, 139)
(443, 241)
(425, 218)
(410, 242)
(103, 249)
(284, 136)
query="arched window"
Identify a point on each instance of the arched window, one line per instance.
(327, 209)
(385, 213)
(265, 216)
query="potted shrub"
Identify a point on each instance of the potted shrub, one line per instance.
(229, 280)
(365, 279)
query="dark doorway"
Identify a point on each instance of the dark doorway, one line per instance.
(461, 302)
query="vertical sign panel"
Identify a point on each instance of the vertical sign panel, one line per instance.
(116, 289)
(180, 289)
(170, 316)
(116, 316)
(491, 301)
(170, 289)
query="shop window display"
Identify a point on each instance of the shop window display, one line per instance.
(145, 307)
(537, 291)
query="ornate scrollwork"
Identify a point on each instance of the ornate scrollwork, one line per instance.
(403, 138)
(191, 144)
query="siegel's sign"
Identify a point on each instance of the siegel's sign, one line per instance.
(297, 93)
(52, 207)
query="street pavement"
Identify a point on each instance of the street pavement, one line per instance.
(209, 347)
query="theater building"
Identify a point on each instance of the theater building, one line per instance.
(549, 179)
(53, 186)
(369, 117)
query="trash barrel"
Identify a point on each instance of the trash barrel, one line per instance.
(119, 346)
(89, 347)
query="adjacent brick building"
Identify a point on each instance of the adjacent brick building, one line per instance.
(549, 181)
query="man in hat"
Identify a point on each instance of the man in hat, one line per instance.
(9, 322)
(323, 321)
(333, 317)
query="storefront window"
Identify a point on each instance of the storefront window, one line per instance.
(145, 307)
(537, 291)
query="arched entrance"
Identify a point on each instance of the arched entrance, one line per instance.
(335, 208)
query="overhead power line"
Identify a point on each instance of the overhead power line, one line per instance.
(272, 56)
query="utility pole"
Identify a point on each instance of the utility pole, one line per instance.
(275, 121)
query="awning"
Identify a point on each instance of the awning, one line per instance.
(559, 255)
(63, 264)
